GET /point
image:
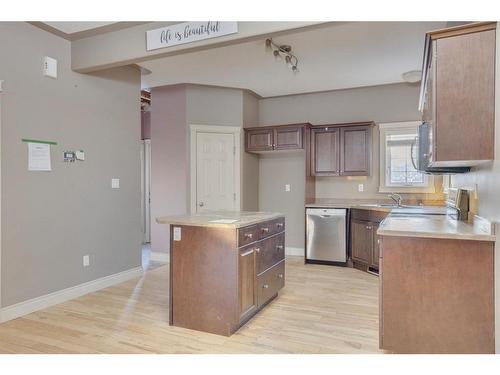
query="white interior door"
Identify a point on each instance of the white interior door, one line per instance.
(146, 189)
(215, 171)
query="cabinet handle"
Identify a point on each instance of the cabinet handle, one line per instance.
(279, 225)
(368, 227)
(378, 241)
(248, 235)
(257, 250)
(265, 286)
(279, 247)
(280, 276)
(247, 253)
(265, 230)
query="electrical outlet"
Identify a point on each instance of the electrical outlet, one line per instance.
(361, 188)
(86, 260)
(115, 183)
(49, 67)
(287, 187)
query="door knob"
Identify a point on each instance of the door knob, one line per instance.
(201, 204)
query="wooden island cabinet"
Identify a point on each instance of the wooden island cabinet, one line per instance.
(224, 268)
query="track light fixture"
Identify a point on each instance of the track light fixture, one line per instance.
(283, 50)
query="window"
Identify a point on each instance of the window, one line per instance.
(398, 160)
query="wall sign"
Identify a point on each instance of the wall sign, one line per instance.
(187, 32)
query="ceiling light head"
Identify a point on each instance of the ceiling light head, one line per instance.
(412, 76)
(285, 48)
(269, 44)
(276, 53)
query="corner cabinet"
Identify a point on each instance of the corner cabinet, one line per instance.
(275, 138)
(341, 149)
(457, 95)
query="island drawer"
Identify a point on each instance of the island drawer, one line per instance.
(270, 282)
(268, 228)
(270, 251)
(248, 234)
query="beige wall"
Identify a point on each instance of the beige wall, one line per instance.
(486, 179)
(50, 220)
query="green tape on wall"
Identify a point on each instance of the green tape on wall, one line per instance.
(38, 141)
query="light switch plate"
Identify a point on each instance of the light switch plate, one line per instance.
(361, 188)
(177, 233)
(287, 187)
(49, 67)
(86, 260)
(115, 183)
(80, 155)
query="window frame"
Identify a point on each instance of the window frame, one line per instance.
(384, 130)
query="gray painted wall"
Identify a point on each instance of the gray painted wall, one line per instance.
(51, 219)
(169, 160)
(173, 109)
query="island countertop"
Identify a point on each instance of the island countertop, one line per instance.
(221, 219)
(436, 226)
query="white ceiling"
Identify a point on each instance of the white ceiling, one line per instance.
(75, 27)
(337, 56)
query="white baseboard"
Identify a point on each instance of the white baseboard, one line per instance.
(42, 302)
(294, 251)
(160, 257)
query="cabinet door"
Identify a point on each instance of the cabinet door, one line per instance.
(465, 98)
(355, 151)
(259, 139)
(288, 138)
(375, 253)
(361, 240)
(325, 152)
(247, 280)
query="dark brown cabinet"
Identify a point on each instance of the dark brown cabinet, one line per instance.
(355, 151)
(361, 240)
(325, 152)
(458, 94)
(280, 137)
(247, 291)
(341, 150)
(365, 249)
(259, 139)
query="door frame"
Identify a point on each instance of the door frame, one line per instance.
(146, 189)
(236, 132)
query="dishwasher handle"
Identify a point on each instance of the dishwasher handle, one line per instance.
(326, 212)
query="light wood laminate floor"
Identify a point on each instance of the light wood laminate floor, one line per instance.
(322, 309)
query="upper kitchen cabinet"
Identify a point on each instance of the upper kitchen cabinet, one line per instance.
(280, 137)
(341, 150)
(458, 94)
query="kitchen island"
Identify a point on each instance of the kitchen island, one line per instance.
(224, 268)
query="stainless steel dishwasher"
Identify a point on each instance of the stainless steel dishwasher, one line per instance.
(326, 232)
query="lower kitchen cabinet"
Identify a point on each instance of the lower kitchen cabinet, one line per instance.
(246, 280)
(364, 239)
(361, 240)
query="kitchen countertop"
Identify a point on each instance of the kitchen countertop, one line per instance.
(219, 219)
(361, 203)
(436, 226)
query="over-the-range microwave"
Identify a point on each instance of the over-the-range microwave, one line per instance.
(424, 148)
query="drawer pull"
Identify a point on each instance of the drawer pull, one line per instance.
(257, 250)
(279, 247)
(280, 276)
(265, 230)
(368, 227)
(279, 225)
(247, 253)
(265, 286)
(248, 235)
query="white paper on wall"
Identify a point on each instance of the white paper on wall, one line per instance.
(39, 157)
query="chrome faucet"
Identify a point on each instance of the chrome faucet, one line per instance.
(397, 199)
